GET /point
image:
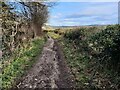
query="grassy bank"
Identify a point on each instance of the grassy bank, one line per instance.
(15, 69)
(94, 57)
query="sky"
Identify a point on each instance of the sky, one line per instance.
(83, 13)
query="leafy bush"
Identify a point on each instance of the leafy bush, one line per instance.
(112, 51)
(99, 61)
(106, 44)
(75, 35)
(56, 31)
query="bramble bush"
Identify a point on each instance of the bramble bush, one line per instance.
(75, 35)
(102, 50)
(112, 51)
(106, 43)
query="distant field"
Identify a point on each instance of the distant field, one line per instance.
(52, 28)
(58, 31)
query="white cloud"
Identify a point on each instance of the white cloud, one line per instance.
(101, 9)
(95, 13)
(58, 15)
(96, 10)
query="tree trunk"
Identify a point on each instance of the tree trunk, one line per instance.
(37, 30)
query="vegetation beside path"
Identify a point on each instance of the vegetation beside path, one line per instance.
(19, 64)
(19, 40)
(93, 54)
(94, 57)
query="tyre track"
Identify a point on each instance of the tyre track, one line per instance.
(46, 73)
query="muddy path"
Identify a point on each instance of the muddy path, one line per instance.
(50, 71)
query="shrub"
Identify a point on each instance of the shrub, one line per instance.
(75, 35)
(107, 43)
(113, 51)
(56, 31)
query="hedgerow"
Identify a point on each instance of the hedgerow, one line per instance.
(97, 53)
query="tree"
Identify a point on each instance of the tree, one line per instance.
(37, 14)
(21, 25)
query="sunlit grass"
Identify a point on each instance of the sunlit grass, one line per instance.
(54, 35)
(18, 66)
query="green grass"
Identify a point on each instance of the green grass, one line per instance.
(77, 62)
(19, 65)
(54, 35)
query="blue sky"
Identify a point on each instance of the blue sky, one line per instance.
(83, 13)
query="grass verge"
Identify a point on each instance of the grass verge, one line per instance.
(19, 65)
(78, 63)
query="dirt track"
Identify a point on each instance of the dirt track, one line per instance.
(50, 71)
